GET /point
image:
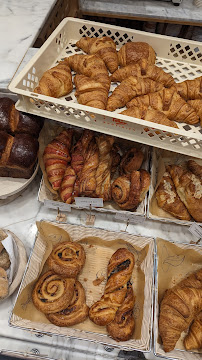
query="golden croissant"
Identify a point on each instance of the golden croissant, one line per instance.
(178, 308)
(143, 69)
(133, 52)
(170, 103)
(193, 339)
(105, 47)
(197, 106)
(56, 82)
(190, 89)
(130, 88)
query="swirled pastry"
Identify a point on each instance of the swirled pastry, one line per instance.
(52, 293)
(67, 259)
(75, 313)
(119, 272)
(131, 160)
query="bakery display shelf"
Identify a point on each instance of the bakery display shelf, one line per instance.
(143, 248)
(181, 58)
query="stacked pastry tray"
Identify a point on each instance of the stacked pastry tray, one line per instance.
(181, 58)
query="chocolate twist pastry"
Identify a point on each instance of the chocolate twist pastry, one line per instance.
(123, 325)
(67, 259)
(52, 292)
(119, 272)
(132, 160)
(75, 313)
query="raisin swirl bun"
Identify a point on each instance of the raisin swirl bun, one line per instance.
(119, 272)
(75, 313)
(67, 259)
(52, 293)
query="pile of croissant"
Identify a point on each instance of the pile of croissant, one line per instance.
(61, 297)
(145, 89)
(180, 191)
(92, 166)
(181, 311)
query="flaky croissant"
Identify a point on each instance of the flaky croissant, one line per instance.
(105, 47)
(130, 88)
(67, 185)
(56, 82)
(193, 339)
(197, 106)
(190, 89)
(179, 306)
(87, 178)
(170, 103)
(143, 69)
(132, 52)
(195, 168)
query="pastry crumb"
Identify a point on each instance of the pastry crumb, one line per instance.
(85, 279)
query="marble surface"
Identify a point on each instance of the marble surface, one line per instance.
(185, 12)
(20, 24)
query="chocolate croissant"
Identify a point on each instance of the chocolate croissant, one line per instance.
(128, 191)
(105, 47)
(132, 52)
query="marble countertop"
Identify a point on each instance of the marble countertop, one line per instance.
(20, 24)
(186, 12)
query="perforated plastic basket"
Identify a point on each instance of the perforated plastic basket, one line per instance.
(181, 58)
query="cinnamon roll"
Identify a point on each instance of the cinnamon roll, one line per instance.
(67, 259)
(52, 293)
(75, 313)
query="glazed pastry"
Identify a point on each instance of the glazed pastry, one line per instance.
(123, 325)
(133, 52)
(56, 82)
(195, 168)
(130, 88)
(197, 106)
(52, 293)
(3, 283)
(119, 272)
(88, 173)
(67, 259)
(104, 47)
(178, 308)
(90, 65)
(90, 92)
(190, 89)
(75, 313)
(189, 189)
(168, 199)
(149, 114)
(193, 340)
(103, 172)
(4, 260)
(128, 191)
(56, 157)
(170, 103)
(132, 160)
(143, 69)
(67, 185)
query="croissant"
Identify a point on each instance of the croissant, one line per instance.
(131, 160)
(90, 92)
(56, 156)
(168, 199)
(133, 52)
(90, 65)
(170, 103)
(130, 88)
(193, 340)
(56, 82)
(123, 325)
(149, 114)
(88, 173)
(189, 189)
(103, 172)
(197, 106)
(190, 89)
(128, 191)
(119, 272)
(143, 69)
(67, 185)
(105, 47)
(179, 306)
(195, 168)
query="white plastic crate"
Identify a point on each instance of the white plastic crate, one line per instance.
(181, 58)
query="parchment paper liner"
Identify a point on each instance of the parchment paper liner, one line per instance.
(48, 133)
(161, 158)
(99, 246)
(174, 262)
